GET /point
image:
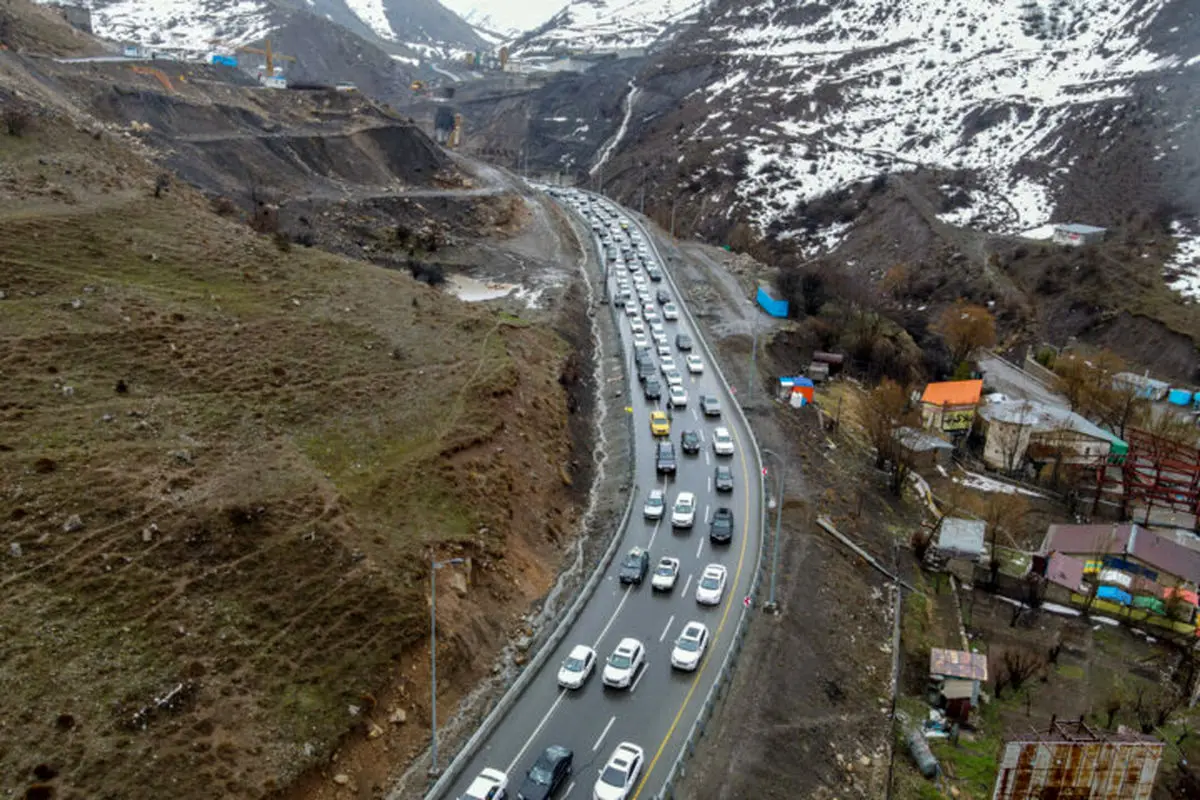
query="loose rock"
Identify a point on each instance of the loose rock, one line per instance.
(14, 550)
(398, 717)
(341, 779)
(73, 523)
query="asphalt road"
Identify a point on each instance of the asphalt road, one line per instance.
(659, 709)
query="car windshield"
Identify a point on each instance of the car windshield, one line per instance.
(613, 776)
(683, 506)
(632, 561)
(620, 660)
(709, 582)
(690, 645)
(573, 664)
(540, 773)
(654, 501)
(690, 436)
(665, 569)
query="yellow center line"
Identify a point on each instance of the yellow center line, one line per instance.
(724, 616)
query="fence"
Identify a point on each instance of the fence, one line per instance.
(725, 674)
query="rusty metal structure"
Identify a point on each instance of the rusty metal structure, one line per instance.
(1073, 761)
(1155, 473)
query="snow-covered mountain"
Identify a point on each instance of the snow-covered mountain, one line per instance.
(584, 25)
(404, 27)
(776, 104)
(504, 20)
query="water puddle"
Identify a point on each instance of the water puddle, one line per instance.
(472, 290)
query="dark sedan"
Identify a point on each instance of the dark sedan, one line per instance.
(548, 774)
(690, 443)
(723, 479)
(652, 389)
(720, 530)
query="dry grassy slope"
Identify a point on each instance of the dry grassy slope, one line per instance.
(27, 27)
(296, 434)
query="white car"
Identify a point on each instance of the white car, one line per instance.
(683, 514)
(666, 363)
(664, 349)
(712, 585)
(624, 663)
(665, 574)
(659, 337)
(655, 503)
(640, 340)
(694, 364)
(633, 266)
(690, 646)
(631, 309)
(670, 311)
(650, 313)
(492, 784)
(722, 442)
(673, 377)
(676, 394)
(656, 326)
(636, 325)
(577, 667)
(619, 778)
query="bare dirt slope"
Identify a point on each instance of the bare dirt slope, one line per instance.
(224, 464)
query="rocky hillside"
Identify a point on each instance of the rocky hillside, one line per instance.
(589, 25)
(226, 458)
(799, 129)
(408, 28)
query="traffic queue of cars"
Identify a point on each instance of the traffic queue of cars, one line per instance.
(632, 272)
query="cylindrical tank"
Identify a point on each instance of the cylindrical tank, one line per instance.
(919, 748)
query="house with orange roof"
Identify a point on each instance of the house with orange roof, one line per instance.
(949, 406)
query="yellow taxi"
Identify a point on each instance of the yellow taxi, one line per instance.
(659, 424)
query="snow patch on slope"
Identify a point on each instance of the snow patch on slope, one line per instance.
(879, 85)
(611, 24)
(1183, 270)
(184, 24)
(374, 15)
(505, 18)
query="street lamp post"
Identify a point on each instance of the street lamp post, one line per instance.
(771, 607)
(435, 566)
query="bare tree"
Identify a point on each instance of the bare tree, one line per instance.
(1002, 515)
(885, 409)
(965, 328)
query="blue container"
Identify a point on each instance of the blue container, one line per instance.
(228, 61)
(1180, 397)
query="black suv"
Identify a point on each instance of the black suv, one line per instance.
(690, 443)
(653, 274)
(549, 773)
(664, 297)
(643, 353)
(683, 341)
(652, 389)
(646, 370)
(710, 405)
(665, 460)
(723, 478)
(720, 530)
(634, 567)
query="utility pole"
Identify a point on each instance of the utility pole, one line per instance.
(771, 607)
(435, 566)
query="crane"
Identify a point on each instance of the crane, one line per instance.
(270, 55)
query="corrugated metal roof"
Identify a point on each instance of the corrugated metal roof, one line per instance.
(919, 441)
(1065, 571)
(1076, 227)
(958, 664)
(963, 537)
(953, 393)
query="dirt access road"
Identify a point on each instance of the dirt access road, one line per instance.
(806, 715)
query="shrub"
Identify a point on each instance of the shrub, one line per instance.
(18, 120)
(283, 241)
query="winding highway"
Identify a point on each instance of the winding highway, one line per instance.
(662, 703)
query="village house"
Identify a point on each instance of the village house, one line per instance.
(949, 406)
(1076, 235)
(921, 449)
(1131, 565)
(955, 677)
(1015, 430)
(1142, 385)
